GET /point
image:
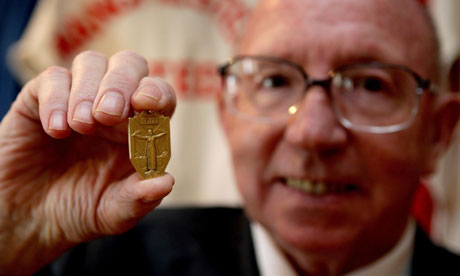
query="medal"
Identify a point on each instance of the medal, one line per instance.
(149, 143)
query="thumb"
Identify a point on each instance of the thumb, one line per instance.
(124, 203)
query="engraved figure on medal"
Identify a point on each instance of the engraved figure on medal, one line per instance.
(149, 143)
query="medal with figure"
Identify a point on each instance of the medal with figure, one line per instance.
(149, 143)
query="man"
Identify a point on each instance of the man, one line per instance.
(332, 120)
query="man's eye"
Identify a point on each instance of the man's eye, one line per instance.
(372, 84)
(275, 81)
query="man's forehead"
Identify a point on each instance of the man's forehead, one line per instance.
(299, 22)
(329, 9)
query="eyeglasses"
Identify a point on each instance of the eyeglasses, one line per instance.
(372, 97)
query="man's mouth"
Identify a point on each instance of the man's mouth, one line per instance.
(320, 188)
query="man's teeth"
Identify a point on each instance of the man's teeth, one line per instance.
(317, 187)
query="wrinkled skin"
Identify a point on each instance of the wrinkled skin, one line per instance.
(66, 179)
(338, 232)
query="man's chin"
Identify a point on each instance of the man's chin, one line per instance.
(315, 240)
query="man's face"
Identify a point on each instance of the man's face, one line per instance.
(370, 178)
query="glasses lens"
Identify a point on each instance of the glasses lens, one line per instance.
(262, 88)
(367, 96)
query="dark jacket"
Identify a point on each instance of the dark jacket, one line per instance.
(201, 242)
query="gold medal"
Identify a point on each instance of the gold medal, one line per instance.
(149, 143)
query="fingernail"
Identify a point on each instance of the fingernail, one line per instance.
(148, 95)
(83, 114)
(112, 103)
(151, 94)
(57, 120)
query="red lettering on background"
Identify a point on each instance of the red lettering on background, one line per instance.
(190, 79)
(97, 11)
(78, 29)
(180, 74)
(206, 81)
(75, 31)
(157, 68)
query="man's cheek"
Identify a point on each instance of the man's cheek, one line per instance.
(391, 173)
(252, 150)
(253, 141)
(392, 152)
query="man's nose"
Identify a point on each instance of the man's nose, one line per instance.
(314, 126)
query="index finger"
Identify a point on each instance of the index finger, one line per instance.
(154, 94)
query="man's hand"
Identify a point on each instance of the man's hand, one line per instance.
(65, 175)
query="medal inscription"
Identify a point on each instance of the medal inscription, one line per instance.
(149, 143)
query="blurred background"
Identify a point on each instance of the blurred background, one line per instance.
(184, 40)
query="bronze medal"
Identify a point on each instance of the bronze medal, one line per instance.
(149, 143)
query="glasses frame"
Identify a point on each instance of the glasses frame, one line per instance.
(423, 85)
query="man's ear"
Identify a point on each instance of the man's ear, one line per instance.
(446, 114)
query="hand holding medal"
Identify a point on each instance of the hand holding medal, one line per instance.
(68, 131)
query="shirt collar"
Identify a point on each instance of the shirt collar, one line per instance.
(272, 262)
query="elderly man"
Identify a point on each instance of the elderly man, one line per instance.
(332, 112)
